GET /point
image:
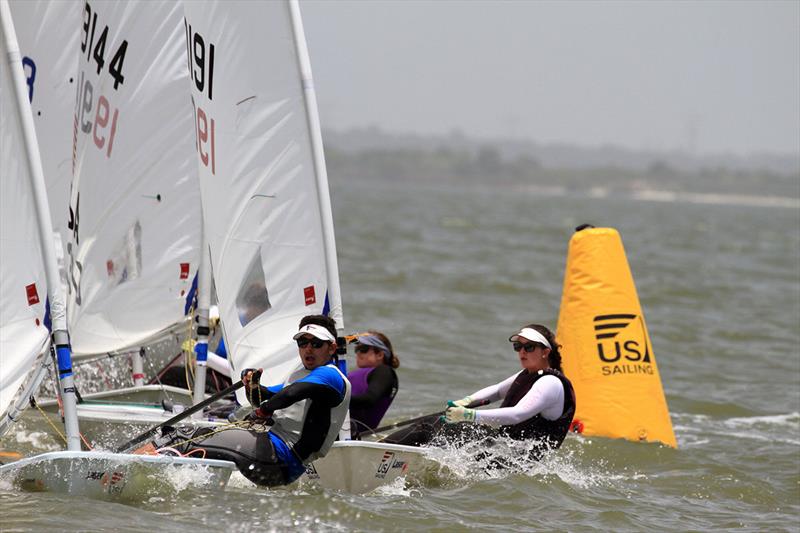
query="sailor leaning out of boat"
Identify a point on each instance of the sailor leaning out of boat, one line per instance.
(306, 414)
(538, 403)
(374, 380)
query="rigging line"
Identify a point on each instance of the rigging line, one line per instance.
(187, 348)
(357, 424)
(199, 451)
(55, 427)
(52, 425)
(157, 375)
(103, 375)
(232, 425)
(158, 378)
(86, 442)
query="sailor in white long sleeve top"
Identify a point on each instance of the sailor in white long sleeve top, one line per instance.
(537, 403)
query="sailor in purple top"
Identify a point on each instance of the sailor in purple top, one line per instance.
(374, 382)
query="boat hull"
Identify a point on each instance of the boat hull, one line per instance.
(153, 394)
(115, 477)
(360, 467)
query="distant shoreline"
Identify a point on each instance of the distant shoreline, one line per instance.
(385, 157)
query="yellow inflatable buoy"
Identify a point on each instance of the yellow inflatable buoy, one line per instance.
(606, 350)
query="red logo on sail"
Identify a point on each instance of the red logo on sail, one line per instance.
(184, 270)
(110, 268)
(32, 294)
(311, 297)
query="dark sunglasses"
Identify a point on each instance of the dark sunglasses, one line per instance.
(531, 346)
(315, 343)
(363, 348)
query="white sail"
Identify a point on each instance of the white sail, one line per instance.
(134, 207)
(27, 259)
(47, 32)
(20, 152)
(23, 286)
(259, 180)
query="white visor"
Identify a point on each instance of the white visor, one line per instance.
(532, 335)
(316, 331)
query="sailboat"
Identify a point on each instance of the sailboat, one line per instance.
(33, 317)
(269, 225)
(134, 222)
(265, 197)
(266, 204)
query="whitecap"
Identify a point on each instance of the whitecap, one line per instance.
(398, 487)
(792, 419)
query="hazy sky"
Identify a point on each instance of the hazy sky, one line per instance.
(702, 76)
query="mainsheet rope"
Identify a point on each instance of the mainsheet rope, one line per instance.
(55, 427)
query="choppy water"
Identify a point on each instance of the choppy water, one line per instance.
(448, 273)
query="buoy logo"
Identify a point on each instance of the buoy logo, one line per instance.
(622, 341)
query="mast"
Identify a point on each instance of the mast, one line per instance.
(203, 304)
(320, 171)
(323, 189)
(55, 293)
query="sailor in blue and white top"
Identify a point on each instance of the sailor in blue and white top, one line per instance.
(306, 413)
(309, 408)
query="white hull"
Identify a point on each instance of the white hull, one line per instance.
(153, 394)
(117, 477)
(359, 467)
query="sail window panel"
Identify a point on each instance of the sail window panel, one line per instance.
(252, 300)
(125, 263)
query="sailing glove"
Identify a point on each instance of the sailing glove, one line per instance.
(463, 402)
(459, 414)
(251, 378)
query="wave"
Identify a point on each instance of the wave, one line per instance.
(694, 430)
(657, 195)
(702, 420)
(716, 199)
(781, 420)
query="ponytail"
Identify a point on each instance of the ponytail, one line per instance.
(391, 359)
